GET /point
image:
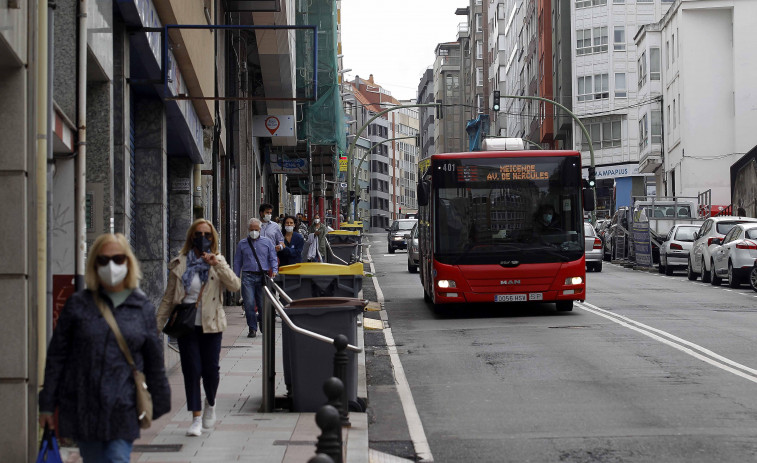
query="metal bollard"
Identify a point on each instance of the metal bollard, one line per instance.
(340, 371)
(334, 390)
(327, 419)
(321, 458)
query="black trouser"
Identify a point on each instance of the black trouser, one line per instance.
(200, 354)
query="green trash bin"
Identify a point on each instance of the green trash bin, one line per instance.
(315, 279)
(309, 362)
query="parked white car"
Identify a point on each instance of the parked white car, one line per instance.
(734, 257)
(700, 255)
(592, 249)
(674, 251)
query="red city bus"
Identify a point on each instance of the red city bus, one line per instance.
(503, 226)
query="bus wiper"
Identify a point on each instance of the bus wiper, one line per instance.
(492, 247)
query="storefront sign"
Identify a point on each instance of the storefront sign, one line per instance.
(273, 126)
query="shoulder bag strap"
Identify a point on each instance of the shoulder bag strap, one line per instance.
(111, 320)
(254, 253)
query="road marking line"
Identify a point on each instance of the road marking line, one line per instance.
(413, 419)
(664, 337)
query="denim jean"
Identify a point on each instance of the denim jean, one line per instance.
(200, 353)
(252, 295)
(112, 451)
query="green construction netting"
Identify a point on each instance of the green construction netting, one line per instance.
(323, 120)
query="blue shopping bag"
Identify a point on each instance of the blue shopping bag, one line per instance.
(48, 449)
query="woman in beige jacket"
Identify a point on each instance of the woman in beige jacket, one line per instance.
(199, 271)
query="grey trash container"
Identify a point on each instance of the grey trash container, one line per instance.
(346, 252)
(317, 284)
(308, 362)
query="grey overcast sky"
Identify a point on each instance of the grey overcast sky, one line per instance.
(395, 39)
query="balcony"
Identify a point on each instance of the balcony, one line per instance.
(650, 160)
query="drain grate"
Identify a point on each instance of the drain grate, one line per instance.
(157, 448)
(294, 442)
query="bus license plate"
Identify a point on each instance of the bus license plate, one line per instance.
(535, 296)
(510, 298)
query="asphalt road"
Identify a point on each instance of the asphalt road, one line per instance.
(672, 381)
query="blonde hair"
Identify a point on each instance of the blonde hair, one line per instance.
(189, 245)
(132, 277)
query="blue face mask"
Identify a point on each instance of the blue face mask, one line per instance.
(547, 218)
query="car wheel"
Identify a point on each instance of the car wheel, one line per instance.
(660, 268)
(391, 250)
(598, 266)
(715, 280)
(668, 270)
(690, 272)
(705, 273)
(564, 306)
(733, 280)
(411, 268)
(753, 278)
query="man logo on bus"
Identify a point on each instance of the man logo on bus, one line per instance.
(509, 282)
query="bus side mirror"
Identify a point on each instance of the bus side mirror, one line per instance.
(588, 197)
(422, 193)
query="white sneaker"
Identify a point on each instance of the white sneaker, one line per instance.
(195, 429)
(208, 415)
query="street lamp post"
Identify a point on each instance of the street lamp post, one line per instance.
(583, 130)
(351, 150)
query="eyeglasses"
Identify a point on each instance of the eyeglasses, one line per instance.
(118, 259)
(208, 235)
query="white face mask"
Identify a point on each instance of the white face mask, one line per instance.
(316, 220)
(289, 229)
(267, 217)
(112, 274)
(254, 234)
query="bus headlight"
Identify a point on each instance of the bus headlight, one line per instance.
(446, 284)
(574, 281)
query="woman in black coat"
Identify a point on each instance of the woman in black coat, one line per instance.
(293, 244)
(87, 377)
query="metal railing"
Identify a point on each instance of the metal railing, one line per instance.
(269, 352)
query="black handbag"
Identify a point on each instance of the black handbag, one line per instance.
(181, 322)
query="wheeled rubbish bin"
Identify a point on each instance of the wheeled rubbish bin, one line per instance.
(315, 279)
(309, 362)
(345, 245)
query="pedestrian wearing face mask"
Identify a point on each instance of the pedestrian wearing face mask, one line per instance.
(269, 228)
(200, 272)
(546, 221)
(87, 376)
(301, 226)
(319, 230)
(293, 243)
(254, 259)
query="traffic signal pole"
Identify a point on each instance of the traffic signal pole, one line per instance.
(592, 168)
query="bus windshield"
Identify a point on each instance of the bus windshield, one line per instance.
(508, 211)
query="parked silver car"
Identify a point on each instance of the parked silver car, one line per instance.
(674, 251)
(700, 255)
(592, 249)
(733, 257)
(412, 249)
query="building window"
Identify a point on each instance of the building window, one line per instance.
(667, 54)
(642, 68)
(479, 77)
(668, 121)
(673, 48)
(620, 85)
(601, 86)
(584, 88)
(479, 50)
(654, 63)
(501, 42)
(604, 134)
(478, 23)
(674, 114)
(588, 3)
(618, 2)
(619, 38)
(600, 39)
(583, 42)
(643, 132)
(656, 126)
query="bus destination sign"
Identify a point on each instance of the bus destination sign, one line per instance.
(517, 172)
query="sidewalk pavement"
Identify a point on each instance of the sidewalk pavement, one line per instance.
(241, 432)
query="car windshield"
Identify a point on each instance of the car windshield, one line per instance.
(685, 233)
(725, 227)
(490, 210)
(405, 225)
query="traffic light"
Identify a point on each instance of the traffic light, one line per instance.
(495, 101)
(352, 196)
(400, 209)
(592, 176)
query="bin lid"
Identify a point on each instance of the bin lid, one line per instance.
(344, 232)
(318, 268)
(326, 304)
(351, 224)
